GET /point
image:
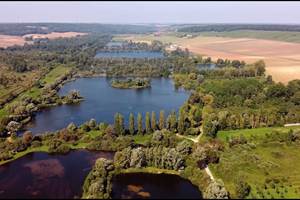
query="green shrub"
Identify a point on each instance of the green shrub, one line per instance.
(36, 143)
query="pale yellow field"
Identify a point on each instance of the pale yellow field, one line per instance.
(10, 40)
(282, 58)
(55, 35)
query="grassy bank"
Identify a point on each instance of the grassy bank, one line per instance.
(151, 170)
(43, 148)
(34, 91)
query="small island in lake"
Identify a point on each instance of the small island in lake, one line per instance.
(129, 83)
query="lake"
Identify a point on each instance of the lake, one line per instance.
(41, 175)
(153, 186)
(130, 54)
(207, 66)
(114, 44)
(102, 102)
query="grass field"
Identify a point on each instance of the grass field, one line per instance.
(259, 132)
(282, 58)
(142, 139)
(55, 73)
(19, 82)
(270, 168)
(34, 91)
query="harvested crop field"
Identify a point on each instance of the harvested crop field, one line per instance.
(55, 35)
(282, 58)
(10, 40)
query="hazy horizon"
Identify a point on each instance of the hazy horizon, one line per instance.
(150, 12)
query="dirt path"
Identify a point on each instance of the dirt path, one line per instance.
(196, 140)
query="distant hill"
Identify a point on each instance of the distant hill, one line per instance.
(43, 28)
(235, 27)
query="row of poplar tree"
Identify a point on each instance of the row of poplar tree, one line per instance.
(171, 123)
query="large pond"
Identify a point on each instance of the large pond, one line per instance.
(153, 186)
(130, 54)
(41, 175)
(209, 66)
(102, 102)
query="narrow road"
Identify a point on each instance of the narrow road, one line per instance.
(196, 140)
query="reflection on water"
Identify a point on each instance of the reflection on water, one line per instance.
(41, 175)
(102, 102)
(130, 54)
(154, 186)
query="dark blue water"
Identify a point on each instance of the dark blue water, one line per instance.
(153, 186)
(102, 102)
(41, 175)
(130, 54)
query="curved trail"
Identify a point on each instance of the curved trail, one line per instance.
(196, 140)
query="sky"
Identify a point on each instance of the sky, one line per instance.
(285, 12)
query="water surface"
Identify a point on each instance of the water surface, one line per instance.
(41, 175)
(130, 54)
(153, 186)
(102, 102)
(114, 44)
(207, 66)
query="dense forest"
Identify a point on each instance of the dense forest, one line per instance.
(43, 28)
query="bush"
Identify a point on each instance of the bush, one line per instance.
(36, 143)
(5, 156)
(92, 124)
(57, 146)
(242, 189)
(216, 190)
(184, 147)
(71, 127)
(192, 131)
(63, 149)
(97, 184)
(85, 128)
(86, 138)
(27, 137)
(237, 140)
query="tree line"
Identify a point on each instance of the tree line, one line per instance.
(150, 123)
(234, 27)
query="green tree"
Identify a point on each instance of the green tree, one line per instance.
(131, 124)
(210, 127)
(181, 118)
(117, 127)
(121, 122)
(173, 121)
(147, 123)
(153, 121)
(140, 124)
(161, 119)
(260, 68)
(168, 122)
